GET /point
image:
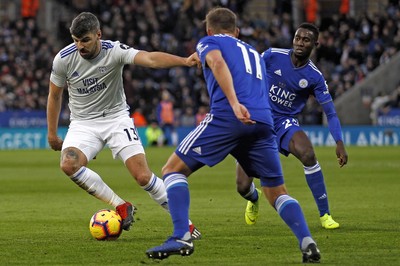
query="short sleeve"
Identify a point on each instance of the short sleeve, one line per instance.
(58, 74)
(206, 45)
(124, 53)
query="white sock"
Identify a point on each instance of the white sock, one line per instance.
(305, 242)
(157, 191)
(91, 182)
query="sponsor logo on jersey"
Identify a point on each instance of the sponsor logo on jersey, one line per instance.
(91, 85)
(278, 72)
(281, 96)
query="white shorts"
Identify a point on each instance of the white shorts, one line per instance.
(118, 133)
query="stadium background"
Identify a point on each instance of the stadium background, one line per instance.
(358, 56)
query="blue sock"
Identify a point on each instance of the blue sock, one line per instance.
(252, 195)
(290, 211)
(178, 201)
(315, 180)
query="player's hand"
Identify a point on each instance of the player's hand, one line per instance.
(193, 59)
(55, 142)
(341, 154)
(242, 114)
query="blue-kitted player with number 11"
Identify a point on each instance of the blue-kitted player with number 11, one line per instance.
(239, 123)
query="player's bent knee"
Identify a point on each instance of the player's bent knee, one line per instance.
(243, 187)
(272, 193)
(143, 178)
(69, 169)
(165, 170)
(308, 158)
(69, 163)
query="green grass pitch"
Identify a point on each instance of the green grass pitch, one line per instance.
(44, 216)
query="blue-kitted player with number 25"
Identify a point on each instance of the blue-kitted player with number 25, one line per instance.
(239, 123)
(292, 78)
(92, 70)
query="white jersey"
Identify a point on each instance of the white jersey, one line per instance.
(95, 86)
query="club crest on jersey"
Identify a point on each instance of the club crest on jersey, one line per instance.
(102, 69)
(303, 83)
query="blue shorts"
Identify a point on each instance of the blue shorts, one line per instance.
(254, 147)
(285, 127)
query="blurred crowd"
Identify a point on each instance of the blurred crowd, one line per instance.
(26, 55)
(382, 104)
(350, 48)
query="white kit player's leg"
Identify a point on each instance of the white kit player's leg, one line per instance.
(157, 192)
(94, 185)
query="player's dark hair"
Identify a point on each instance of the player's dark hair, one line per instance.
(84, 23)
(221, 19)
(311, 27)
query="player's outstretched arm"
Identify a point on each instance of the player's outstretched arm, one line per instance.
(194, 59)
(162, 60)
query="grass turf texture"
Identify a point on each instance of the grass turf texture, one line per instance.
(45, 216)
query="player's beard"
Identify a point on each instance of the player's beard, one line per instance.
(89, 53)
(86, 54)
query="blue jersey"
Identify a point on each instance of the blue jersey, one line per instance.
(290, 86)
(248, 73)
(289, 89)
(221, 133)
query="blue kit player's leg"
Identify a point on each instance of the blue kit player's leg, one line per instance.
(180, 242)
(247, 189)
(315, 181)
(262, 161)
(201, 146)
(292, 139)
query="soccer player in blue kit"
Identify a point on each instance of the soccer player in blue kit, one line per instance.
(239, 123)
(292, 78)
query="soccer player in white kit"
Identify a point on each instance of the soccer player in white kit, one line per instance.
(92, 69)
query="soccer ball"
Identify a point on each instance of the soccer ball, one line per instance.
(105, 225)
